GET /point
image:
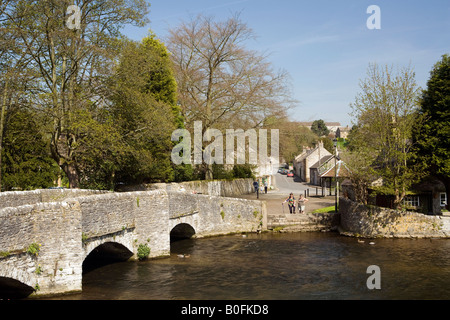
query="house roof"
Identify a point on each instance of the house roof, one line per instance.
(322, 161)
(345, 129)
(342, 171)
(429, 184)
(308, 152)
(309, 124)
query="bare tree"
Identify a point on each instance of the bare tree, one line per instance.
(219, 78)
(220, 81)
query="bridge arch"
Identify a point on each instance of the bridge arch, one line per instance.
(16, 282)
(182, 231)
(105, 253)
(14, 289)
(124, 238)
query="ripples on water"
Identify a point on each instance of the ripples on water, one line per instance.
(279, 267)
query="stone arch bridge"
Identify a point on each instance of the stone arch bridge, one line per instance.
(46, 235)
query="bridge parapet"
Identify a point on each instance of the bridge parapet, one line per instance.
(183, 204)
(21, 198)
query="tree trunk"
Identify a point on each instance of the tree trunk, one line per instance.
(72, 174)
(209, 172)
(62, 153)
(2, 121)
(399, 196)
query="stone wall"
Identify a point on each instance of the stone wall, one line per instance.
(56, 265)
(227, 215)
(19, 198)
(328, 221)
(182, 204)
(107, 214)
(371, 221)
(210, 215)
(221, 188)
(151, 220)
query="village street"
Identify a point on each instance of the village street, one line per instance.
(283, 186)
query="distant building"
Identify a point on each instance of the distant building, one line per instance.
(309, 157)
(332, 126)
(342, 132)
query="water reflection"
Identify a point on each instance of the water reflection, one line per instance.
(279, 266)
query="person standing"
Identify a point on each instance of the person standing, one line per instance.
(302, 203)
(256, 186)
(265, 186)
(291, 203)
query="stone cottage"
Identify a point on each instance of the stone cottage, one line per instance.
(309, 157)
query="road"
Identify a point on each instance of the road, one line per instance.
(285, 185)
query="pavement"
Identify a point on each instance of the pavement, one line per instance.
(284, 185)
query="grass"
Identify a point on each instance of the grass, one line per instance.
(325, 210)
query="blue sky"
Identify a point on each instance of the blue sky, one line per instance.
(325, 45)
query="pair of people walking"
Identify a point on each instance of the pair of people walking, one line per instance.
(301, 204)
(256, 186)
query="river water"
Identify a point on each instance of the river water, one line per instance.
(279, 267)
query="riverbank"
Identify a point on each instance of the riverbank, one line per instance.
(377, 222)
(352, 220)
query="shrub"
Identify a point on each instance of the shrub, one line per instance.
(33, 249)
(143, 251)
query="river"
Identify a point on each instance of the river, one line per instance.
(271, 266)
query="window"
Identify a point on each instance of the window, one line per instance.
(443, 199)
(411, 201)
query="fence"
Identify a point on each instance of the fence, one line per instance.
(319, 192)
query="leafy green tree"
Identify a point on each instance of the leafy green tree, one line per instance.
(381, 143)
(432, 136)
(26, 162)
(293, 137)
(320, 128)
(243, 171)
(71, 67)
(163, 86)
(15, 76)
(100, 149)
(360, 158)
(145, 111)
(327, 144)
(161, 79)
